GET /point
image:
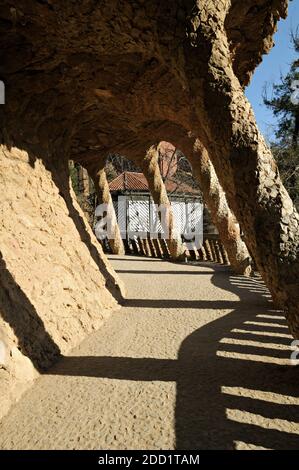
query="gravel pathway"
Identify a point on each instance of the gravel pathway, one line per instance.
(196, 358)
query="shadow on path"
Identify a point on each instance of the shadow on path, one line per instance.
(234, 381)
(236, 384)
(180, 273)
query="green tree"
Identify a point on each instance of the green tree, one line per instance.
(284, 102)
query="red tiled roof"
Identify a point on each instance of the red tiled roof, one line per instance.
(129, 181)
(132, 181)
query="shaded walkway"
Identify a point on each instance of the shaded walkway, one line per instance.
(196, 359)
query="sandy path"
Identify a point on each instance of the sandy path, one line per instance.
(196, 359)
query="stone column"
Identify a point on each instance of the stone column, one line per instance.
(104, 197)
(244, 164)
(83, 180)
(223, 218)
(151, 170)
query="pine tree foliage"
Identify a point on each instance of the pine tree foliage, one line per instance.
(284, 103)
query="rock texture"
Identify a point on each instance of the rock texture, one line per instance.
(111, 76)
(55, 287)
(222, 216)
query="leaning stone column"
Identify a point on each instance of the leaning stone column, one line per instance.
(151, 170)
(104, 197)
(244, 164)
(223, 218)
(83, 181)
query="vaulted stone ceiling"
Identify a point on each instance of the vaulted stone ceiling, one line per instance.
(113, 75)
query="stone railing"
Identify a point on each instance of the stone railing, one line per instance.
(211, 250)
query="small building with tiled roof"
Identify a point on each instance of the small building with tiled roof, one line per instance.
(138, 214)
(130, 181)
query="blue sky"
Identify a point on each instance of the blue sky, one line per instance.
(274, 64)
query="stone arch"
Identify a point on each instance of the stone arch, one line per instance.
(152, 173)
(213, 194)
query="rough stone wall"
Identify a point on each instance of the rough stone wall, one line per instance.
(54, 291)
